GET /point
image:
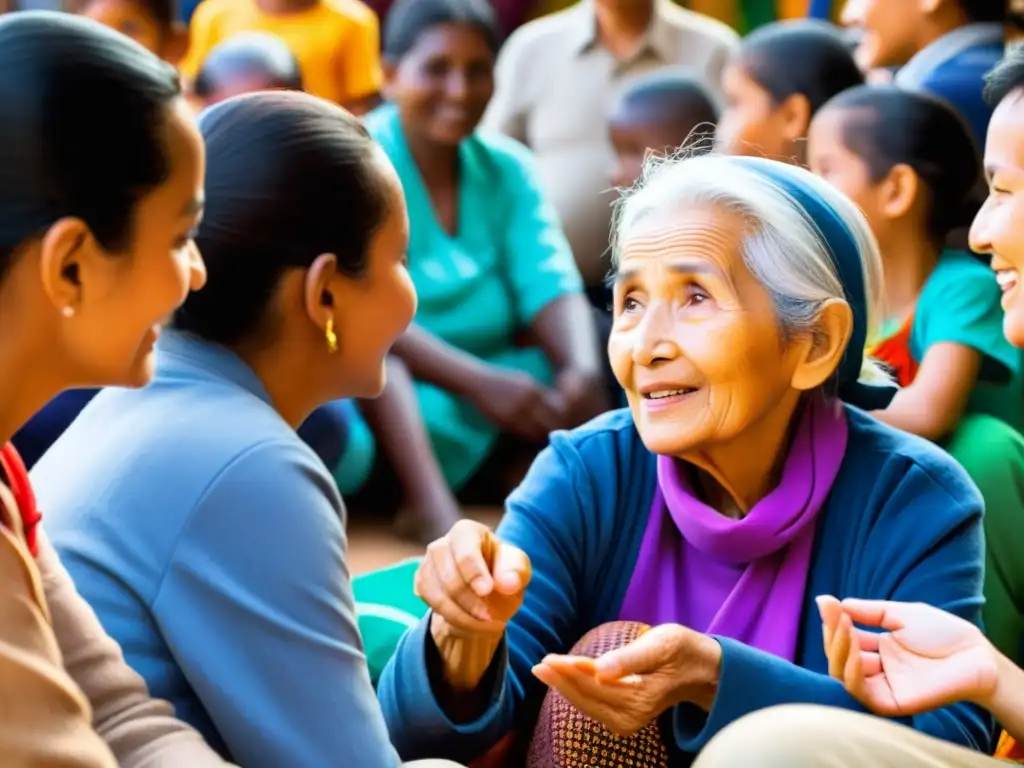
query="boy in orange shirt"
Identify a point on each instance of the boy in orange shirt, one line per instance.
(336, 42)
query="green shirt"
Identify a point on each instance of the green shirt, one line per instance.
(960, 303)
(508, 260)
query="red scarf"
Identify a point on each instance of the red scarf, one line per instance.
(13, 469)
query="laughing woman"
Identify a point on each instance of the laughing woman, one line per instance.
(743, 480)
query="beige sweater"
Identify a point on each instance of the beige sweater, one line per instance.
(67, 697)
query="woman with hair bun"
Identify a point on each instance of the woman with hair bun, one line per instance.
(207, 535)
(909, 161)
(101, 188)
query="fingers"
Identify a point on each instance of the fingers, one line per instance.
(466, 543)
(877, 613)
(511, 570)
(452, 574)
(649, 652)
(430, 588)
(830, 610)
(599, 701)
(853, 671)
(839, 649)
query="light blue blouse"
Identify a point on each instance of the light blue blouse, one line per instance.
(210, 540)
(508, 260)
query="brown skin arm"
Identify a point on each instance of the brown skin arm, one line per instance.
(431, 360)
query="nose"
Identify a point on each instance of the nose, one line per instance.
(456, 86)
(196, 269)
(980, 238)
(654, 336)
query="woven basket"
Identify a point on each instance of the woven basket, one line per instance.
(566, 738)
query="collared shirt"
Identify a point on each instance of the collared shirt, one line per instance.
(954, 67)
(555, 84)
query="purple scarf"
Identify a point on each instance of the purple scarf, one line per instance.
(754, 569)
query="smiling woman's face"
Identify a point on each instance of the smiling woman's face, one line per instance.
(695, 343)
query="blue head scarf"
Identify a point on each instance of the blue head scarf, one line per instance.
(846, 258)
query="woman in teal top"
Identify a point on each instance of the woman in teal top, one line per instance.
(908, 160)
(486, 251)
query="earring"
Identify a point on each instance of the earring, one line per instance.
(332, 337)
(68, 311)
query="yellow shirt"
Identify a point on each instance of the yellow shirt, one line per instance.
(337, 42)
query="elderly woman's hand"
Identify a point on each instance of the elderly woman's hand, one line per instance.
(629, 687)
(474, 583)
(925, 659)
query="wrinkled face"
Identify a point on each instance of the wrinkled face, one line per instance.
(999, 227)
(125, 298)
(442, 86)
(375, 309)
(889, 30)
(695, 342)
(129, 18)
(828, 157)
(751, 123)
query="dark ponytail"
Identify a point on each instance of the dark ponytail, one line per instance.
(82, 114)
(288, 178)
(887, 126)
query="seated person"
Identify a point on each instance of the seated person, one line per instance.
(337, 42)
(735, 488)
(659, 113)
(247, 62)
(206, 535)
(770, 100)
(486, 253)
(909, 162)
(944, 47)
(95, 251)
(151, 23)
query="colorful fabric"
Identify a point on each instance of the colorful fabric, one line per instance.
(337, 43)
(745, 578)
(16, 476)
(387, 608)
(1009, 749)
(479, 286)
(894, 351)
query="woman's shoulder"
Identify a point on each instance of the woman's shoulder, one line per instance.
(902, 466)
(508, 157)
(959, 272)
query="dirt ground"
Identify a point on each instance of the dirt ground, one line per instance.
(371, 544)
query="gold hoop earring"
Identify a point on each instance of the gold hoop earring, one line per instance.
(332, 337)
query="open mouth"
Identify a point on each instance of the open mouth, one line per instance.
(663, 395)
(1007, 279)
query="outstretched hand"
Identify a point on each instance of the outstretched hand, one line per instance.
(923, 659)
(627, 688)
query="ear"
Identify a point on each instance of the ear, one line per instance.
(899, 191)
(175, 44)
(390, 76)
(796, 116)
(62, 251)
(822, 356)
(319, 298)
(928, 7)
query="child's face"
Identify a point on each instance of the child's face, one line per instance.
(633, 139)
(751, 123)
(129, 18)
(889, 28)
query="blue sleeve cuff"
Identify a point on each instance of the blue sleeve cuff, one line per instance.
(418, 725)
(750, 680)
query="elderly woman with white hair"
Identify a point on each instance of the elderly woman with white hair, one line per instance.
(744, 479)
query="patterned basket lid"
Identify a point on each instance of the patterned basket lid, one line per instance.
(566, 738)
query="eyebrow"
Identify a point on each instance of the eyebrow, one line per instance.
(676, 267)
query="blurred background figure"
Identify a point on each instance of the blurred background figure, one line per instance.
(151, 23)
(247, 62)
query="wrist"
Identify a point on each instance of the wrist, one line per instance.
(996, 695)
(465, 656)
(698, 682)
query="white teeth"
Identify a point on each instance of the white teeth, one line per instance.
(667, 393)
(1006, 278)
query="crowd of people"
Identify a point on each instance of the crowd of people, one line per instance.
(731, 326)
